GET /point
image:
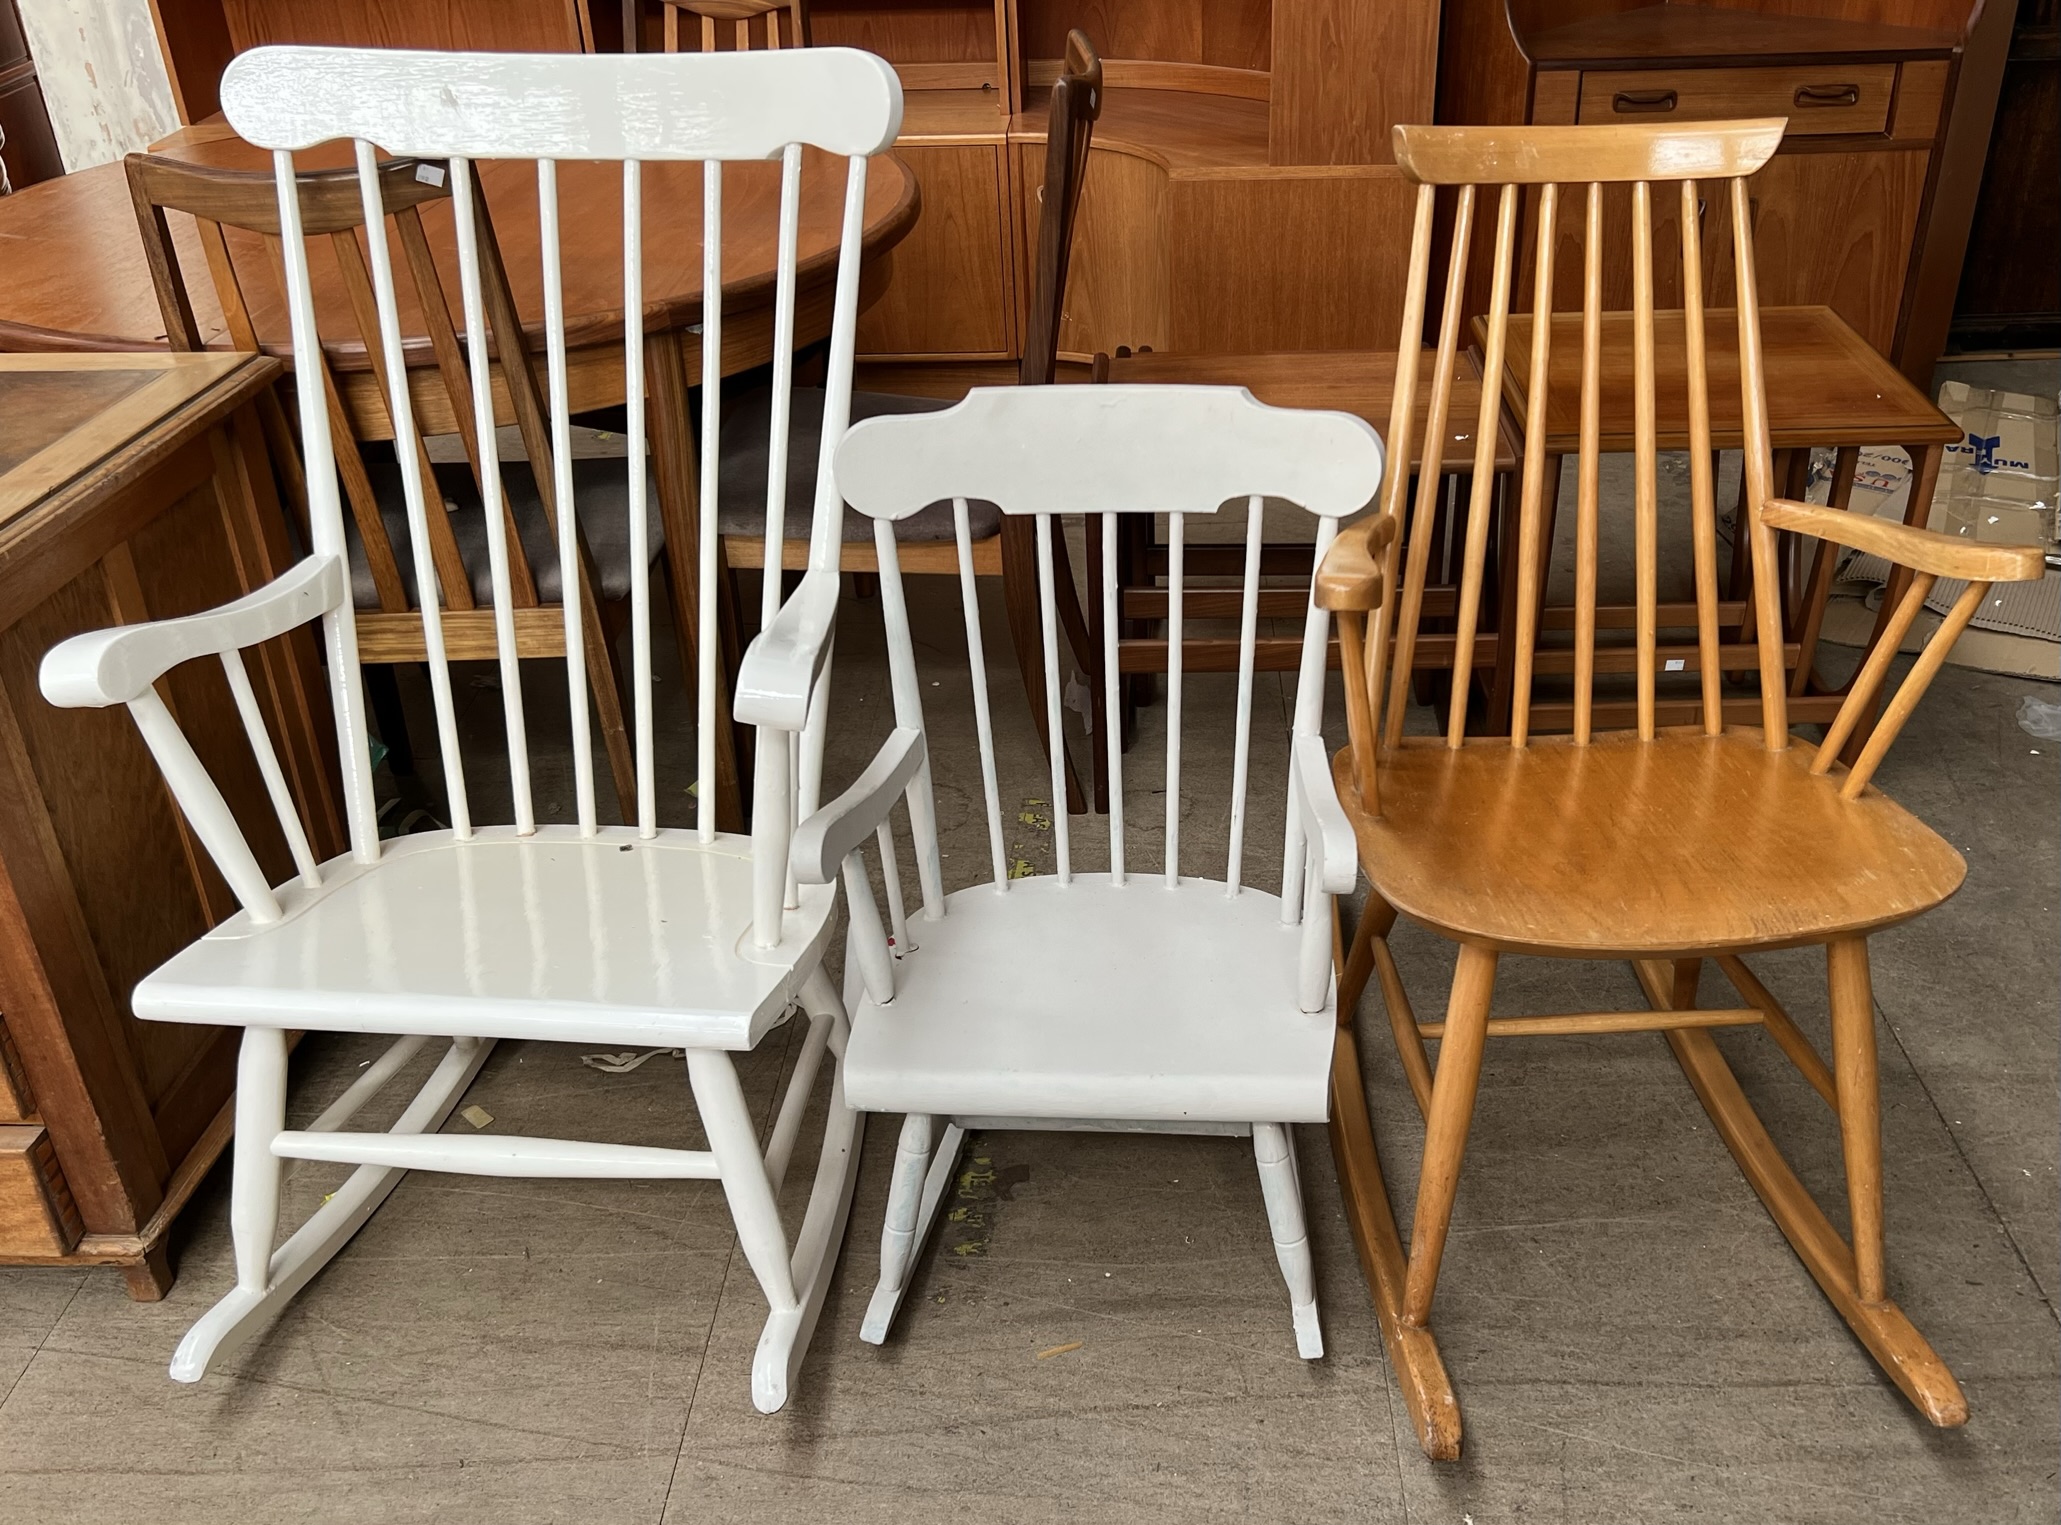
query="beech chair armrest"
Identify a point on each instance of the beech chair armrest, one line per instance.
(822, 842)
(1324, 824)
(1350, 577)
(783, 662)
(118, 666)
(1906, 545)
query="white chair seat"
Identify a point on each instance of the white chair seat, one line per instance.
(1137, 1003)
(610, 938)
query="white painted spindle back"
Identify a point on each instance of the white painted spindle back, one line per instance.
(707, 109)
(1106, 451)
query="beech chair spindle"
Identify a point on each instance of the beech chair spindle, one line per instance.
(1665, 846)
(639, 934)
(1149, 997)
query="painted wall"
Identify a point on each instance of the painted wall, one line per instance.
(102, 74)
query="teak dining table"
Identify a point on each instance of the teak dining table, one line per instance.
(76, 280)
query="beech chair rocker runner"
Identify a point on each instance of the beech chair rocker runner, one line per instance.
(634, 934)
(1664, 846)
(1138, 1000)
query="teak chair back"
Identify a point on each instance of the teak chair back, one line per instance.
(1075, 108)
(333, 210)
(1663, 846)
(732, 22)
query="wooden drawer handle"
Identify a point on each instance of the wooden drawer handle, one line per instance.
(1828, 95)
(1643, 100)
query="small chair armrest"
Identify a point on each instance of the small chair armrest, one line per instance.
(1350, 576)
(118, 666)
(1324, 826)
(822, 842)
(782, 664)
(1906, 545)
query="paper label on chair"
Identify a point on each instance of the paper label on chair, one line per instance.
(430, 174)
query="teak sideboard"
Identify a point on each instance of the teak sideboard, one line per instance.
(131, 487)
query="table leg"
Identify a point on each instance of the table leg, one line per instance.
(1818, 588)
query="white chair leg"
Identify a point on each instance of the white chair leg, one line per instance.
(734, 1143)
(266, 1278)
(921, 1176)
(1279, 1184)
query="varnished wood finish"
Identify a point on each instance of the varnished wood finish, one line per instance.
(1664, 846)
(131, 487)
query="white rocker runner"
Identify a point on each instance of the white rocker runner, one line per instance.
(620, 935)
(1129, 1000)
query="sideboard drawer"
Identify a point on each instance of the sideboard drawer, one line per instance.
(1827, 98)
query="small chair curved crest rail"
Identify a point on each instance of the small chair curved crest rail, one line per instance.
(1148, 997)
(637, 934)
(1664, 846)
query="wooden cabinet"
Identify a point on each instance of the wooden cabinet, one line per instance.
(28, 148)
(1859, 211)
(131, 487)
(950, 287)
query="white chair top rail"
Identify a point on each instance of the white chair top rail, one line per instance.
(1109, 449)
(654, 106)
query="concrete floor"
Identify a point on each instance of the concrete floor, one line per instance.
(1629, 1335)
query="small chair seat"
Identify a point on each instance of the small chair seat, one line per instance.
(1687, 843)
(611, 938)
(601, 497)
(1137, 1003)
(747, 424)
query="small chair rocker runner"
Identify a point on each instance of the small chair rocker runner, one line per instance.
(635, 935)
(1663, 846)
(1156, 1001)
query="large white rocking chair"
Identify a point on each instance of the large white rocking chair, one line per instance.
(631, 935)
(1155, 1001)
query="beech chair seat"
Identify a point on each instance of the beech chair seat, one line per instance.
(1685, 842)
(601, 489)
(612, 938)
(747, 425)
(1038, 1002)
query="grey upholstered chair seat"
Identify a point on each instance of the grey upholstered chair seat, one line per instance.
(747, 424)
(601, 491)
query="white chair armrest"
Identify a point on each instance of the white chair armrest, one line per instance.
(822, 841)
(780, 668)
(1324, 825)
(118, 666)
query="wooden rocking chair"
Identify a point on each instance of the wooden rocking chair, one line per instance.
(1662, 846)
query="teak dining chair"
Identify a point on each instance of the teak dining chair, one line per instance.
(1665, 846)
(924, 539)
(635, 934)
(1157, 1000)
(781, 23)
(384, 587)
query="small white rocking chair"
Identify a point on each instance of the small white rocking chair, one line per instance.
(622, 935)
(1155, 1001)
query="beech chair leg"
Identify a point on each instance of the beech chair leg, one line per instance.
(924, 1162)
(1412, 1352)
(1445, 1129)
(1897, 1346)
(1274, 1147)
(266, 1278)
(1860, 1104)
